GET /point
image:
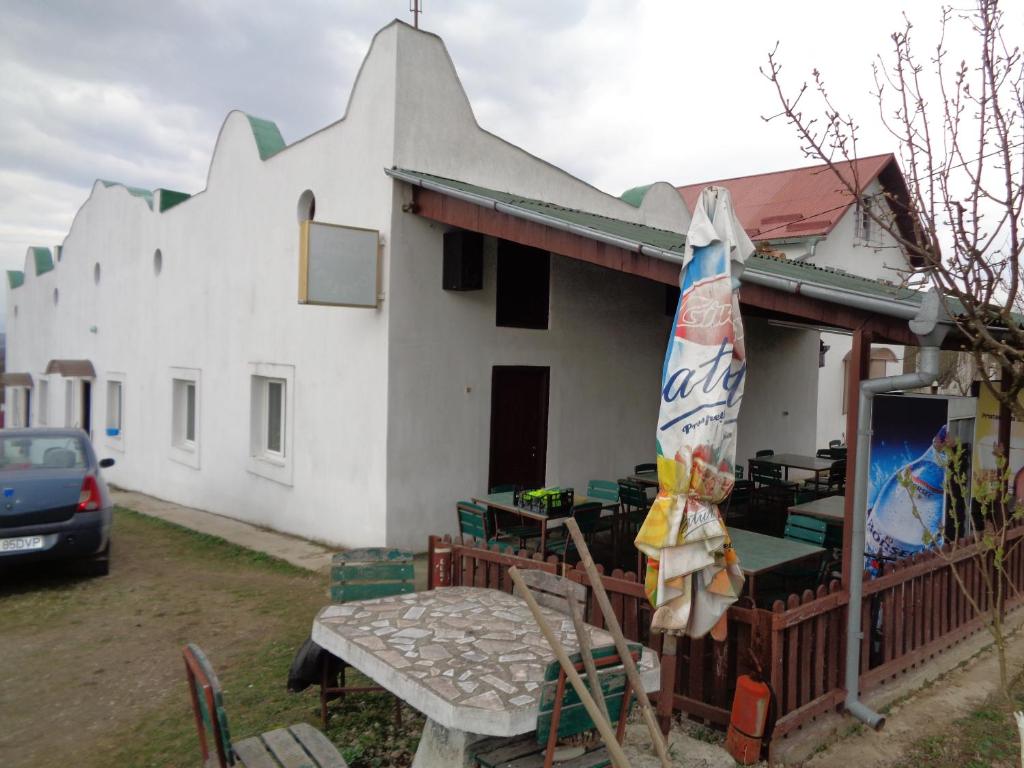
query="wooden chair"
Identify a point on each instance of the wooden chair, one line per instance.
(552, 591)
(767, 484)
(362, 574)
(763, 453)
(738, 502)
(562, 716)
(588, 518)
(835, 443)
(294, 746)
(649, 467)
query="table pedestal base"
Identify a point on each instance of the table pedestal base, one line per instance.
(442, 747)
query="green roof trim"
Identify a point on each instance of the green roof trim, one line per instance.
(170, 198)
(268, 138)
(635, 196)
(640, 233)
(143, 194)
(42, 258)
(674, 242)
(15, 278)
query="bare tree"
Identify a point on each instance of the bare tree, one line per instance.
(960, 131)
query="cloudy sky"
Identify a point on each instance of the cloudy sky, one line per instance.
(618, 93)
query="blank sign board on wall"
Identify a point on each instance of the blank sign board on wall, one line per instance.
(338, 265)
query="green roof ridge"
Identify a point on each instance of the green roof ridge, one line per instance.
(43, 259)
(143, 194)
(170, 198)
(268, 138)
(15, 278)
(635, 195)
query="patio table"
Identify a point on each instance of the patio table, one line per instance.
(505, 501)
(831, 509)
(797, 461)
(645, 479)
(759, 554)
(471, 660)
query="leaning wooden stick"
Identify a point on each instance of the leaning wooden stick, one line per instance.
(583, 637)
(603, 726)
(612, 626)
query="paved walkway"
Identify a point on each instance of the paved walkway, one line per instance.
(304, 554)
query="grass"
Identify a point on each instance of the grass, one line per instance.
(986, 738)
(96, 676)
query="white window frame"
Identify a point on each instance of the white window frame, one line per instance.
(71, 409)
(16, 413)
(115, 442)
(865, 224)
(43, 401)
(272, 465)
(183, 449)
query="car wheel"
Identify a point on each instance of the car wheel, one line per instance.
(97, 565)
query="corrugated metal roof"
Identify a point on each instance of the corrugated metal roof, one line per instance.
(674, 242)
(801, 202)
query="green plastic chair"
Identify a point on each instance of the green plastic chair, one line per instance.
(562, 718)
(362, 574)
(605, 490)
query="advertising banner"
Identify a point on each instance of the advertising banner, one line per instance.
(906, 475)
(987, 427)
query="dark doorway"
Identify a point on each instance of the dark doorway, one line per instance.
(519, 425)
(87, 407)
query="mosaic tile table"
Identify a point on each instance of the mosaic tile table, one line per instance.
(470, 659)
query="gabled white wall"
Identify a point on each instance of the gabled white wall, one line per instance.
(227, 298)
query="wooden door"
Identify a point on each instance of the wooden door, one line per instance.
(519, 425)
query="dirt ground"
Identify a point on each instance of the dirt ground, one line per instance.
(91, 664)
(928, 713)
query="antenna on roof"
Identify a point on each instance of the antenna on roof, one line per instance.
(414, 6)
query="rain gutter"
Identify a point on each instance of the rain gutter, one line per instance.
(901, 308)
(930, 326)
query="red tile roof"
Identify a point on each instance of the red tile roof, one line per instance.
(801, 202)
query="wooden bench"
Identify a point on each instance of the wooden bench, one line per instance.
(562, 715)
(297, 746)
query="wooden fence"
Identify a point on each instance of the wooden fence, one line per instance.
(912, 612)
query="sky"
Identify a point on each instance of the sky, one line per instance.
(618, 93)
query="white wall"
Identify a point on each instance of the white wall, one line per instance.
(227, 298)
(780, 393)
(604, 345)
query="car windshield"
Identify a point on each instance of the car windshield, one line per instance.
(41, 452)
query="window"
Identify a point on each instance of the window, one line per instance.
(269, 404)
(42, 406)
(186, 416)
(114, 395)
(184, 434)
(524, 285)
(270, 431)
(865, 225)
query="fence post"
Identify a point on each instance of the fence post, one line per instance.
(439, 561)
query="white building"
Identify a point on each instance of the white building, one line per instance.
(806, 215)
(171, 326)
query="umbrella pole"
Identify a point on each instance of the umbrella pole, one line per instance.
(603, 726)
(613, 628)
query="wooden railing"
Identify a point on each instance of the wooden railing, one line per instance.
(912, 612)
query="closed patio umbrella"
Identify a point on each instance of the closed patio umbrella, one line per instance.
(693, 574)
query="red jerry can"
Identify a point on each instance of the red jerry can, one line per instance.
(748, 721)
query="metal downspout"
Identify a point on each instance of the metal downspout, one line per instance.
(930, 330)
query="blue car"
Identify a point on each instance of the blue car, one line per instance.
(54, 503)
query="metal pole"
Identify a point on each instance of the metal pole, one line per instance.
(603, 726)
(612, 626)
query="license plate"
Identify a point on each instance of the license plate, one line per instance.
(22, 544)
